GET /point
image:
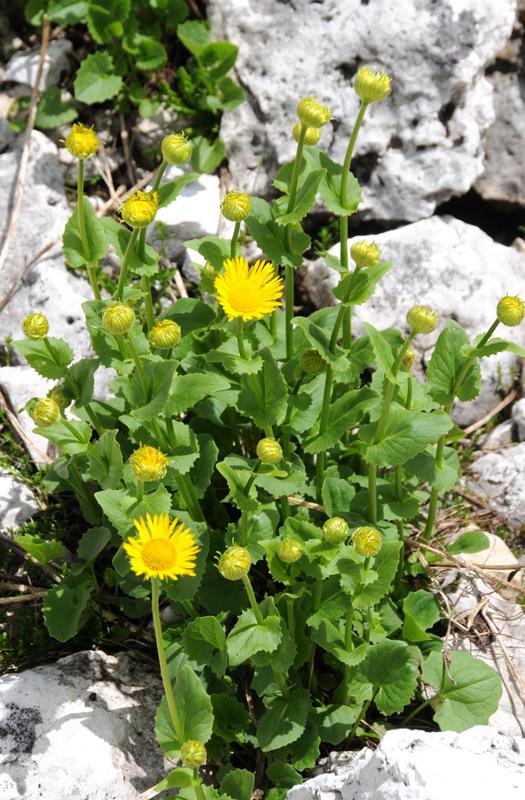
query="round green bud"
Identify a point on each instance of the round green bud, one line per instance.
(365, 254)
(312, 113)
(408, 359)
(335, 530)
(422, 320)
(35, 326)
(234, 563)
(290, 550)
(82, 142)
(269, 451)
(510, 311)
(312, 362)
(165, 334)
(209, 271)
(193, 753)
(59, 396)
(371, 85)
(176, 149)
(44, 412)
(118, 319)
(148, 463)
(139, 209)
(236, 206)
(311, 136)
(366, 541)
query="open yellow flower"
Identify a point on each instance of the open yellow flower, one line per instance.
(161, 551)
(248, 292)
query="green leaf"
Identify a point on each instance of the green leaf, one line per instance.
(38, 356)
(187, 586)
(342, 415)
(34, 11)
(43, 551)
(213, 249)
(207, 156)
(492, 347)
(96, 80)
(362, 286)
(109, 475)
(188, 390)
(191, 314)
(64, 439)
(425, 468)
(184, 451)
(80, 381)
(159, 377)
(248, 637)
(195, 35)
(231, 722)
(330, 188)
(267, 406)
(201, 472)
(393, 667)
(179, 778)
(384, 564)
(52, 112)
(229, 95)
(237, 480)
(405, 434)
(177, 12)
(337, 494)
(119, 237)
(169, 191)
(205, 644)
(332, 640)
(334, 722)
(281, 484)
(219, 57)
(121, 509)
(382, 351)
(471, 542)
(321, 342)
(151, 55)
(228, 355)
(310, 396)
(284, 721)
(67, 12)
(446, 365)
(282, 774)
(271, 237)
(304, 200)
(421, 611)
(63, 610)
(471, 699)
(193, 706)
(97, 243)
(306, 749)
(91, 544)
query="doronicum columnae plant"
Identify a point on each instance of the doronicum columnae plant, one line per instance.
(245, 471)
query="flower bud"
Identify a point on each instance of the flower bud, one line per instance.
(165, 334)
(82, 142)
(335, 530)
(312, 113)
(176, 149)
(311, 136)
(290, 550)
(408, 359)
(422, 320)
(269, 451)
(139, 209)
(236, 206)
(209, 271)
(365, 254)
(234, 563)
(312, 362)
(510, 311)
(366, 541)
(44, 412)
(118, 319)
(193, 753)
(148, 463)
(35, 326)
(59, 396)
(371, 85)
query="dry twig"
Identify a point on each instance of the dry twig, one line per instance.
(495, 411)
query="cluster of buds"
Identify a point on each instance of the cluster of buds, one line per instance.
(148, 464)
(176, 149)
(269, 451)
(165, 334)
(422, 319)
(236, 206)
(234, 563)
(365, 254)
(335, 530)
(139, 209)
(366, 541)
(118, 319)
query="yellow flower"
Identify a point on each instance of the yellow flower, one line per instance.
(161, 551)
(248, 292)
(148, 463)
(82, 142)
(139, 209)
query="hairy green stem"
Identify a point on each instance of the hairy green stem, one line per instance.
(233, 245)
(138, 366)
(125, 264)
(162, 660)
(253, 602)
(158, 176)
(362, 714)
(145, 282)
(239, 333)
(83, 233)
(289, 270)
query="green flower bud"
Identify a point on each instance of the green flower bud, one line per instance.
(234, 563)
(209, 271)
(365, 254)
(312, 362)
(269, 451)
(311, 136)
(422, 320)
(366, 541)
(139, 209)
(312, 113)
(335, 530)
(176, 149)
(290, 550)
(408, 359)
(59, 396)
(82, 142)
(236, 206)
(44, 412)
(193, 753)
(165, 334)
(118, 319)
(148, 463)
(372, 86)
(35, 326)
(510, 311)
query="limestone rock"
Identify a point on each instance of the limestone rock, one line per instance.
(80, 728)
(500, 436)
(452, 267)
(501, 477)
(518, 417)
(17, 502)
(23, 67)
(415, 150)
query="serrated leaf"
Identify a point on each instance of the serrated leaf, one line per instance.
(334, 722)
(330, 186)
(249, 637)
(282, 774)
(321, 342)
(424, 466)
(421, 610)
(205, 643)
(179, 778)
(207, 156)
(187, 586)
(384, 357)
(194, 710)
(96, 80)
(52, 112)
(43, 551)
(284, 721)
(159, 378)
(169, 191)
(97, 244)
(119, 237)
(492, 347)
(304, 200)
(393, 667)
(471, 699)
(342, 415)
(109, 475)
(446, 366)
(405, 434)
(39, 357)
(228, 355)
(354, 291)
(151, 55)
(237, 481)
(272, 238)
(230, 722)
(191, 314)
(384, 564)
(267, 406)
(188, 390)
(195, 35)
(337, 494)
(213, 249)
(65, 439)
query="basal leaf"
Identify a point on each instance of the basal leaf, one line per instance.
(96, 80)
(393, 667)
(421, 611)
(284, 721)
(249, 637)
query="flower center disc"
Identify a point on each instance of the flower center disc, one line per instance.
(159, 555)
(245, 297)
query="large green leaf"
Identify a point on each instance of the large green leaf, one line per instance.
(384, 564)
(205, 643)
(213, 249)
(206, 155)
(187, 390)
(96, 80)
(109, 475)
(80, 381)
(320, 341)
(249, 637)
(179, 778)
(119, 237)
(330, 187)
(43, 551)
(421, 610)
(194, 710)
(393, 667)
(228, 355)
(266, 402)
(492, 347)
(405, 434)
(334, 722)
(446, 366)
(52, 112)
(272, 238)
(470, 542)
(63, 437)
(304, 200)
(384, 358)
(169, 191)
(39, 357)
(345, 412)
(159, 378)
(425, 467)
(195, 35)
(284, 721)
(469, 690)
(191, 314)
(64, 608)
(354, 291)
(231, 720)
(237, 481)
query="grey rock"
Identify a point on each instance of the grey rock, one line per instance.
(452, 267)
(418, 148)
(500, 436)
(20, 384)
(23, 67)
(500, 477)
(415, 765)
(80, 728)
(518, 416)
(17, 502)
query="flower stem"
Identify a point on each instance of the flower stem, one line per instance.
(162, 660)
(83, 234)
(253, 602)
(158, 176)
(145, 282)
(240, 338)
(233, 245)
(125, 263)
(362, 714)
(139, 367)
(289, 270)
